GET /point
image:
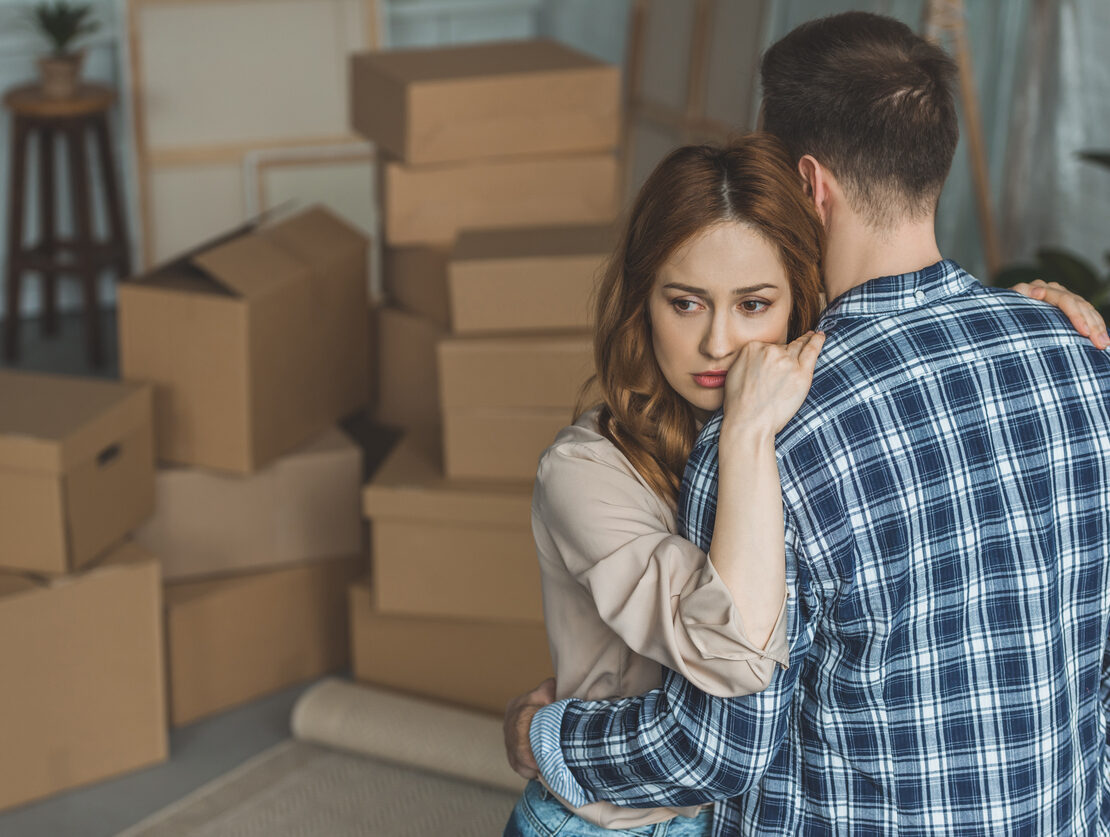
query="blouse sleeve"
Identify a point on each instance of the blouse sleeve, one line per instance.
(654, 589)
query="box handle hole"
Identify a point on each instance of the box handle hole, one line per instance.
(107, 455)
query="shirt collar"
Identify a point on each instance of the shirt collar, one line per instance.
(888, 294)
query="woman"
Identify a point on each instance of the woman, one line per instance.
(707, 303)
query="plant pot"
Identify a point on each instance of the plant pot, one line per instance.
(60, 74)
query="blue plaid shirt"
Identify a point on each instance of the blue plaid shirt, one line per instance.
(947, 496)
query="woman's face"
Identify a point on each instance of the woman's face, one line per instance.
(722, 289)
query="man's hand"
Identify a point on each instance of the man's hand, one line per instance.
(518, 719)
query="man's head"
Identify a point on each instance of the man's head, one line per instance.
(871, 102)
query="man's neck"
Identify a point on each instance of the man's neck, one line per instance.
(857, 253)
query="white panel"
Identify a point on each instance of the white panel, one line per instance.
(244, 70)
(193, 203)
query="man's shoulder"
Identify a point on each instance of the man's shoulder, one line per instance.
(868, 359)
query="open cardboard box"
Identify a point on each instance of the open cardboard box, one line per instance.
(84, 681)
(303, 505)
(454, 549)
(454, 103)
(76, 468)
(254, 341)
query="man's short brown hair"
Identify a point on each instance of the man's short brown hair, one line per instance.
(872, 102)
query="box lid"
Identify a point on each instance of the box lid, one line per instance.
(537, 242)
(315, 236)
(472, 61)
(410, 485)
(51, 422)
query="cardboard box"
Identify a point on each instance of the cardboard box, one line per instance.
(76, 468)
(481, 665)
(506, 372)
(499, 444)
(431, 204)
(415, 278)
(84, 695)
(408, 380)
(234, 639)
(447, 104)
(304, 505)
(541, 279)
(254, 341)
(454, 549)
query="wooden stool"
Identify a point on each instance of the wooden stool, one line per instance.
(72, 120)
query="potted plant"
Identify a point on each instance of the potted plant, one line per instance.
(62, 23)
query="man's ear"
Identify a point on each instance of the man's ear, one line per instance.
(817, 183)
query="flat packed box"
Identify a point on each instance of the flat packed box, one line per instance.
(76, 468)
(234, 639)
(254, 341)
(432, 204)
(541, 279)
(481, 665)
(447, 104)
(408, 379)
(303, 505)
(84, 689)
(454, 549)
(498, 372)
(499, 444)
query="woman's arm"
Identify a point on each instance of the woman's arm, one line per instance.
(654, 589)
(765, 387)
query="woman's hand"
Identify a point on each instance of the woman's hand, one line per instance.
(518, 719)
(1083, 315)
(768, 382)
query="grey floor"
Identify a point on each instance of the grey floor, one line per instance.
(198, 752)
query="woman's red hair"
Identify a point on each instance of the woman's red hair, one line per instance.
(749, 181)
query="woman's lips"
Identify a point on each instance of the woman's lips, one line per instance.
(711, 380)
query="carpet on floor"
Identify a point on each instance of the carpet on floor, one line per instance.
(363, 762)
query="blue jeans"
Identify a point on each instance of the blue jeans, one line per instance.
(539, 814)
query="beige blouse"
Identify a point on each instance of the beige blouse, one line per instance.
(623, 594)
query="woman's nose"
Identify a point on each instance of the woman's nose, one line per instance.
(717, 341)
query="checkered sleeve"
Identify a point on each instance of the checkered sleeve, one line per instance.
(675, 745)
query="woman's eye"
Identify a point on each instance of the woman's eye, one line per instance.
(754, 306)
(684, 306)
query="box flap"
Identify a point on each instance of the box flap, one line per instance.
(410, 485)
(50, 422)
(538, 242)
(251, 265)
(469, 61)
(179, 263)
(316, 235)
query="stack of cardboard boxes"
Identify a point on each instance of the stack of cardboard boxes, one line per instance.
(256, 344)
(499, 187)
(80, 606)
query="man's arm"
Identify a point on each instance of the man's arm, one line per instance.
(675, 745)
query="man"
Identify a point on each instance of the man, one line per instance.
(947, 501)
